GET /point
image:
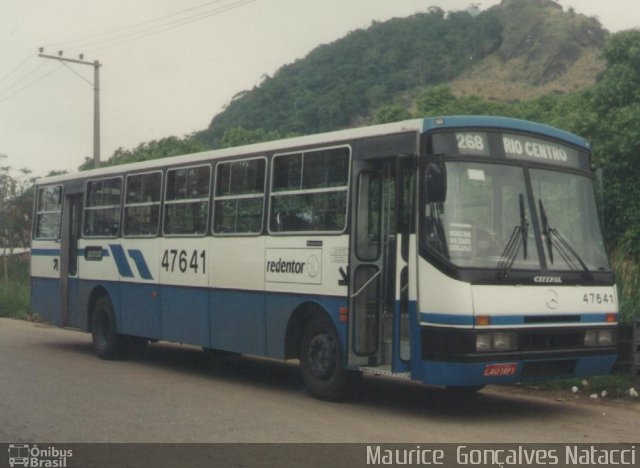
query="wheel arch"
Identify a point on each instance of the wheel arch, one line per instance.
(297, 322)
(96, 293)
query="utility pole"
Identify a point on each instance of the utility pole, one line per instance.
(96, 96)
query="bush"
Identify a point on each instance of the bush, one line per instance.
(14, 290)
(627, 271)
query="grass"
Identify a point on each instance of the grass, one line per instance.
(14, 290)
(616, 385)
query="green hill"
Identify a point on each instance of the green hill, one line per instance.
(516, 50)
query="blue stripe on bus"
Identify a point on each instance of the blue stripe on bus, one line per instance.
(141, 264)
(121, 261)
(45, 252)
(446, 319)
(468, 320)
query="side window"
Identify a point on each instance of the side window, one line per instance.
(48, 212)
(186, 207)
(239, 197)
(102, 207)
(142, 205)
(309, 191)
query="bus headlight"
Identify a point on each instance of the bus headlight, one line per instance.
(599, 338)
(496, 341)
(483, 342)
(503, 341)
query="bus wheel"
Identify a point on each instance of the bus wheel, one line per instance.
(107, 343)
(321, 361)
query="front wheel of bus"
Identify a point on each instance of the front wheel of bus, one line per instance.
(321, 360)
(107, 343)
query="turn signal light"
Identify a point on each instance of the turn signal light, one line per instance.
(611, 317)
(483, 320)
(343, 314)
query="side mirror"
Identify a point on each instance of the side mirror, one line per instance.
(436, 182)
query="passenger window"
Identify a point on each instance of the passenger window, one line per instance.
(48, 212)
(142, 205)
(239, 197)
(309, 191)
(186, 207)
(102, 207)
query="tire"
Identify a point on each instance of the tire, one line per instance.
(107, 343)
(136, 346)
(321, 360)
(465, 391)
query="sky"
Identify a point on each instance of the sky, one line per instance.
(168, 67)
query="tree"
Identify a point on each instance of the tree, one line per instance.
(155, 149)
(16, 202)
(616, 139)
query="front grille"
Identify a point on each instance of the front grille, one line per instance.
(549, 341)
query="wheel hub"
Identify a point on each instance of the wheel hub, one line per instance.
(322, 355)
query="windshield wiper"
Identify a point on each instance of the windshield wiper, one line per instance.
(564, 248)
(518, 238)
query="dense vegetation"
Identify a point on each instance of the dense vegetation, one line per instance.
(338, 84)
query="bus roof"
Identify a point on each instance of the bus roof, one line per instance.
(422, 125)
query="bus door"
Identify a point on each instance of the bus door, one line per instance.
(374, 267)
(71, 228)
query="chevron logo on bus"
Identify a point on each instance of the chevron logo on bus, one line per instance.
(124, 269)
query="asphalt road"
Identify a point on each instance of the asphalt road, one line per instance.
(52, 388)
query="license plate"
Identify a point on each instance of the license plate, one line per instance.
(500, 370)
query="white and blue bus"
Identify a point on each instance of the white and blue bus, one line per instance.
(454, 251)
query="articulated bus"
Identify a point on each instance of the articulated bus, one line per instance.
(454, 251)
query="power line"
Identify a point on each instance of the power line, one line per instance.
(117, 37)
(28, 85)
(29, 57)
(124, 28)
(21, 79)
(129, 37)
(126, 38)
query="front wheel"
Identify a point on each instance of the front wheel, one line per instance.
(321, 360)
(107, 343)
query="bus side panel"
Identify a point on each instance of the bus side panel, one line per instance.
(237, 321)
(237, 298)
(141, 293)
(45, 281)
(299, 270)
(46, 300)
(184, 315)
(141, 310)
(184, 296)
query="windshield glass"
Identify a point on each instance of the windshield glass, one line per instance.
(485, 221)
(569, 221)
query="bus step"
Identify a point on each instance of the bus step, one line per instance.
(385, 370)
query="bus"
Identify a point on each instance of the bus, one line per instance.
(456, 251)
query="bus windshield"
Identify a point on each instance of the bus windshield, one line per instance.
(486, 220)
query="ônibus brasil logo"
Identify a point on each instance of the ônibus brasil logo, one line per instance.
(33, 456)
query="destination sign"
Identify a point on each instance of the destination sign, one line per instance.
(514, 146)
(473, 143)
(534, 149)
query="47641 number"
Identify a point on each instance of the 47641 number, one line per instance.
(182, 261)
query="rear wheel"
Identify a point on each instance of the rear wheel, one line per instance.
(107, 343)
(321, 360)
